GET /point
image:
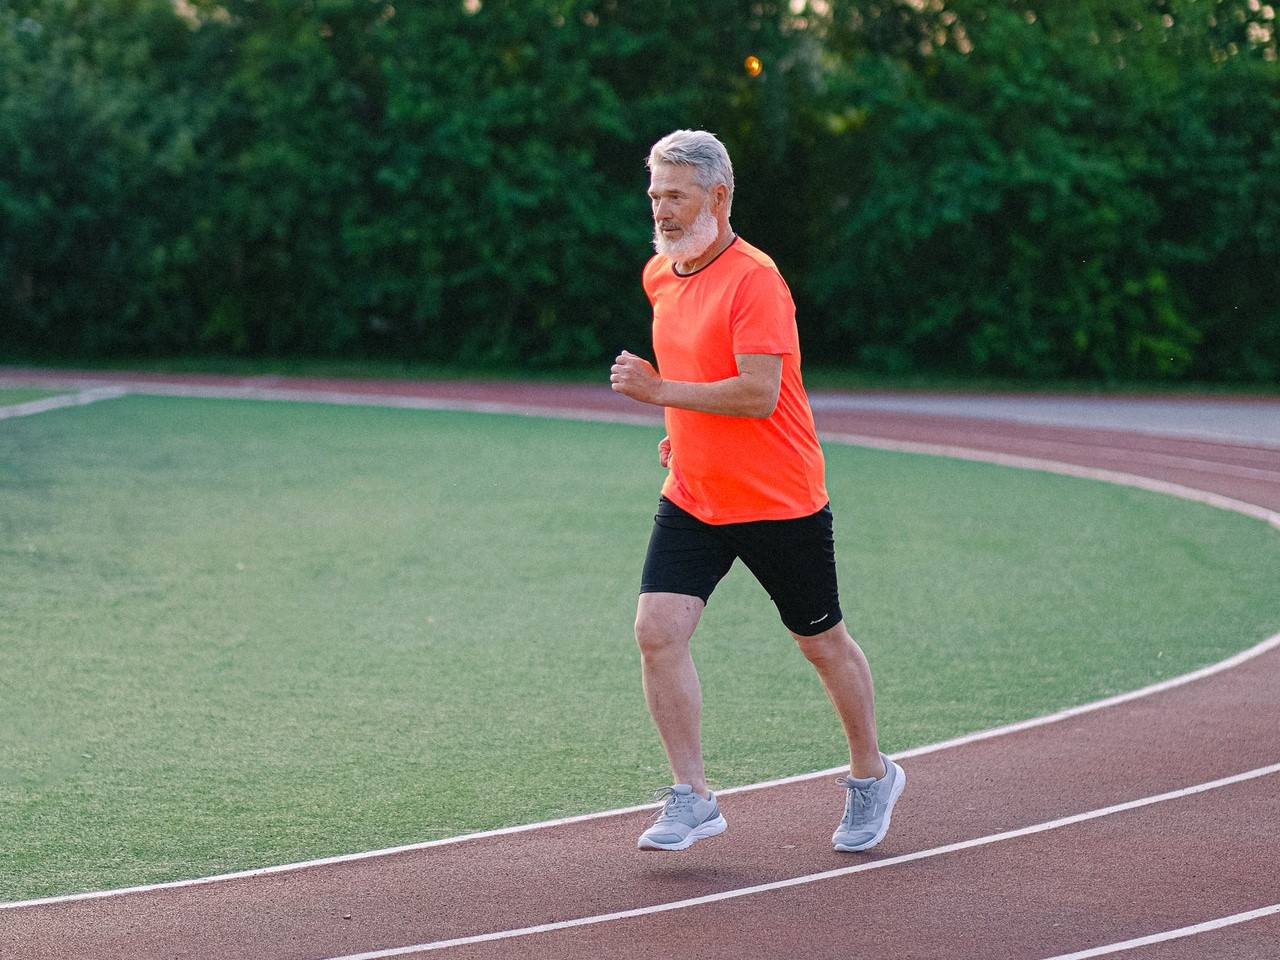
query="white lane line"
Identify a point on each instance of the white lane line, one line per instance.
(1242, 657)
(1060, 467)
(343, 398)
(1246, 421)
(347, 399)
(109, 389)
(61, 402)
(818, 877)
(1207, 927)
(1238, 659)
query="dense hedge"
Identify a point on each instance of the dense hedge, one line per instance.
(1066, 188)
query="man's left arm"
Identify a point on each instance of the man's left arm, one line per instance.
(752, 393)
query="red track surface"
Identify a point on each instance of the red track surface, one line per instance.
(978, 863)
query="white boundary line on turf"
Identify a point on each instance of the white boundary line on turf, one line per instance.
(92, 390)
(1207, 927)
(1062, 468)
(863, 867)
(1240, 658)
(115, 388)
(62, 401)
(344, 398)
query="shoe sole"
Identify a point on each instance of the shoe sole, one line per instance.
(898, 787)
(709, 829)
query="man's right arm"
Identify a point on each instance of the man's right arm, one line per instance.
(752, 393)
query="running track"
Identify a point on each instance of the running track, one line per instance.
(1146, 828)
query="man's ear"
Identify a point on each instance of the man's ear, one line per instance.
(719, 197)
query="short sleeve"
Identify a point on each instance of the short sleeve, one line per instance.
(763, 315)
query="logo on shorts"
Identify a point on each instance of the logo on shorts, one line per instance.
(819, 620)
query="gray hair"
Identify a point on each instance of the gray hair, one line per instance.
(699, 150)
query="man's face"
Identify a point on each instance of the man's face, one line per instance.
(684, 226)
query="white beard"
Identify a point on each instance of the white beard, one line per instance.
(695, 241)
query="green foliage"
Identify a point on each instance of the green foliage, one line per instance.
(1052, 188)
(1020, 182)
(98, 136)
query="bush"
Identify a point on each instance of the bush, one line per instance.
(1058, 189)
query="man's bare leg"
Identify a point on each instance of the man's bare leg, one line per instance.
(664, 626)
(847, 679)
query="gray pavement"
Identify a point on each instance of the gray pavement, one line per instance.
(1254, 420)
(1251, 420)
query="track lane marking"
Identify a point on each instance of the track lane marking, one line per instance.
(1062, 468)
(943, 850)
(1257, 650)
(1197, 928)
(93, 389)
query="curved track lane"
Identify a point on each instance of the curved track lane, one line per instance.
(1145, 828)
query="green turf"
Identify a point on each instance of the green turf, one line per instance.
(238, 634)
(12, 396)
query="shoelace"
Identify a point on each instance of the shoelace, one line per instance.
(861, 798)
(674, 802)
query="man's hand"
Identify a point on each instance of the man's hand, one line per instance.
(635, 377)
(664, 451)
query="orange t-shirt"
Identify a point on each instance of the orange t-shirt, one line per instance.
(734, 469)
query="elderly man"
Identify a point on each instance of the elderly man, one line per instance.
(745, 480)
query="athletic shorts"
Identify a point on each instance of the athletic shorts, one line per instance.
(794, 560)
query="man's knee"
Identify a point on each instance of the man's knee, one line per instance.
(826, 647)
(650, 634)
(665, 622)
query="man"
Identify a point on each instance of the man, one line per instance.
(745, 481)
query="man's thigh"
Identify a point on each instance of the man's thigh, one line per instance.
(795, 561)
(685, 555)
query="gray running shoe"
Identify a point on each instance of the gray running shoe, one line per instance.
(867, 808)
(685, 817)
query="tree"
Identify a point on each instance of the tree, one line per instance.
(99, 135)
(1003, 220)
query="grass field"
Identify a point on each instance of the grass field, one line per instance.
(10, 396)
(238, 633)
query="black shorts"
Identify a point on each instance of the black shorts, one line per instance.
(794, 560)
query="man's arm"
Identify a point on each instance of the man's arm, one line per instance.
(752, 393)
